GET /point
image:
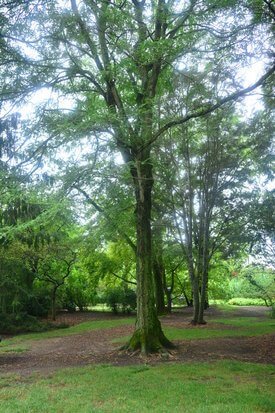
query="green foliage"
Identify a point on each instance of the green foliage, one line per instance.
(19, 323)
(79, 292)
(242, 301)
(254, 282)
(38, 301)
(125, 69)
(120, 298)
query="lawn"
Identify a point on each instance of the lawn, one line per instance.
(12, 343)
(223, 386)
(191, 386)
(238, 326)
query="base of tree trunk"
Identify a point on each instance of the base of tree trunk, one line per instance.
(195, 323)
(150, 342)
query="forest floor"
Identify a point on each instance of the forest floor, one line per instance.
(221, 338)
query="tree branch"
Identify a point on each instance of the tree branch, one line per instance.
(211, 108)
(103, 212)
(122, 278)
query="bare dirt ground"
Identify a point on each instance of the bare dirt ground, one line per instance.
(96, 346)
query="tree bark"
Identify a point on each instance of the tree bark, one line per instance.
(158, 271)
(148, 335)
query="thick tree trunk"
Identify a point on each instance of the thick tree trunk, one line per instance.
(158, 271)
(148, 336)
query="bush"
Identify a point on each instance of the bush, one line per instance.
(19, 323)
(25, 323)
(129, 301)
(38, 304)
(120, 298)
(78, 293)
(245, 301)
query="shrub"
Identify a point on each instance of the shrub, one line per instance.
(245, 301)
(19, 323)
(38, 304)
(129, 301)
(120, 298)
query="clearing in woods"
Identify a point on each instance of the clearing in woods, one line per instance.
(244, 334)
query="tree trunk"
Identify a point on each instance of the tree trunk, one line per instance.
(205, 267)
(196, 300)
(169, 301)
(189, 303)
(54, 303)
(202, 300)
(158, 271)
(148, 336)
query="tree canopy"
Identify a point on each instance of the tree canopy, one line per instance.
(134, 98)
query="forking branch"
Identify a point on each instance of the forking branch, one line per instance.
(209, 109)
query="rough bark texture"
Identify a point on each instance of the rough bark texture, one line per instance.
(158, 270)
(148, 336)
(159, 290)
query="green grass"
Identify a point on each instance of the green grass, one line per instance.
(241, 326)
(246, 322)
(77, 329)
(11, 348)
(226, 307)
(225, 386)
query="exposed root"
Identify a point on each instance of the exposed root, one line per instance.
(149, 344)
(197, 323)
(152, 357)
(203, 322)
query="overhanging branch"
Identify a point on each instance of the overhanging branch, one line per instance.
(103, 212)
(210, 108)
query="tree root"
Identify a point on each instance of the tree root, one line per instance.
(197, 323)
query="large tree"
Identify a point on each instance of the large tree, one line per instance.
(114, 60)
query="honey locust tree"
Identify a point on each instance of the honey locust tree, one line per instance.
(111, 60)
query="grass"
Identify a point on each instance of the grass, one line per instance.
(241, 326)
(13, 349)
(9, 344)
(233, 387)
(238, 326)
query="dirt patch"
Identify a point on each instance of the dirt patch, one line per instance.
(97, 346)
